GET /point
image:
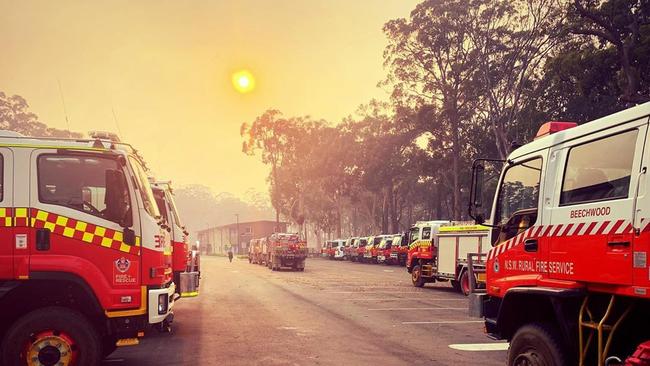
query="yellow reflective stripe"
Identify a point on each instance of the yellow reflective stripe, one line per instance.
(190, 294)
(420, 243)
(139, 311)
(444, 229)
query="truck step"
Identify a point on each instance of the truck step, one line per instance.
(127, 342)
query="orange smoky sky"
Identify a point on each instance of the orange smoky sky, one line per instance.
(165, 68)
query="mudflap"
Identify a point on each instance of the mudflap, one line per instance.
(189, 284)
(300, 263)
(475, 304)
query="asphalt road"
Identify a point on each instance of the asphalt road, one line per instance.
(334, 313)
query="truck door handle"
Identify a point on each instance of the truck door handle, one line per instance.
(619, 244)
(42, 239)
(530, 245)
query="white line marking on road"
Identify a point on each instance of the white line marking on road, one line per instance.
(374, 292)
(234, 271)
(389, 270)
(406, 298)
(478, 347)
(431, 308)
(446, 322)
(287, 328)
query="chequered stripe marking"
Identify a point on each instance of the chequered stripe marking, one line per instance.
(68, 227)
(6, 217)
(581, 229)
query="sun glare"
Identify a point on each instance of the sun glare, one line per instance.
(243, 81)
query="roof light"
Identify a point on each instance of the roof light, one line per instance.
(552, 127)
(104, 135)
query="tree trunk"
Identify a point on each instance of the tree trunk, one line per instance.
(384, 213)
(456, 168)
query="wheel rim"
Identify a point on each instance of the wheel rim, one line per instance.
(50, 348)
(464, 283)
(416, 275)
(530, 358)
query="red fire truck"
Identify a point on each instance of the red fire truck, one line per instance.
(185, 267)
(286, 250)
(372, 248)
(255, 251)
(385, 249)
(350, 247)
(399, 249)
(360, 250)
(83, 267)
(568, 277)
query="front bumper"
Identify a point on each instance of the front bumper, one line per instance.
(156, 302)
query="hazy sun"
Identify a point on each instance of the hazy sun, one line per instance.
(243, 81)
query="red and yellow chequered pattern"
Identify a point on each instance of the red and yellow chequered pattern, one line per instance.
(68, 227)
(6, 216)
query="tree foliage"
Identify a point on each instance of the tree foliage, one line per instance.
(468, 79)
(15, 116)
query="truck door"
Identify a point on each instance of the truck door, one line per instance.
(641, 217)
(8, 243)
(79, 208)
(591, 236)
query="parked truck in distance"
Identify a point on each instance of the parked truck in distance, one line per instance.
(384, 249)
(438, 252)
(286, 250)
(185, 264)
(360, 250)
(255, 251)
(399, 249)
(567, 276)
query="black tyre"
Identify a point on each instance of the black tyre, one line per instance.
(537, 344)
(416, 276)
(53, 336)
(455, 285)
(109, 345)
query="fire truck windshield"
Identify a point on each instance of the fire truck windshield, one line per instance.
(172, 204)
(415, 234)
(145, 189)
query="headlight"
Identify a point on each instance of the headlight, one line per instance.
(163, 303)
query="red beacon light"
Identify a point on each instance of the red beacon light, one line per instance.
(552, 127)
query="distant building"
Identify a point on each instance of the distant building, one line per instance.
(217, 240)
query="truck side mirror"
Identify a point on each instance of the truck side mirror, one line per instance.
(117, 199)
(477, 185)
(476, 193)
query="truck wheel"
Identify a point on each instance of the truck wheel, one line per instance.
(536, 344)
(464, 283)
(455, 285)
(109, 346)
(416, 276)
(51, 336)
